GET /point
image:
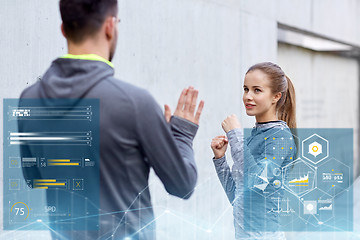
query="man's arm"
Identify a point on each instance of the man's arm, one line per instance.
(168, 147)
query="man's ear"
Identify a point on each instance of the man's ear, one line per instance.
(277, 97)
(109, 27)
(62, 30)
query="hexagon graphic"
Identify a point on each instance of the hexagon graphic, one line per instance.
(267, 181)
(333, 176)
(315, 148)
(299, 177)
(277, 148)
(310, 207)
(316, 207)
(286, 207)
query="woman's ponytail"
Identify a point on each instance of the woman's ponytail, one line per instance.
(287, 111)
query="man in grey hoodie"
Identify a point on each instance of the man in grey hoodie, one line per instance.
(134, 134)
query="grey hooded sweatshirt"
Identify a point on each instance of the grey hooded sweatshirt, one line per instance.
(134, 137)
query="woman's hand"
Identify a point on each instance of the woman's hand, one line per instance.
(219, 145)
(230, 123)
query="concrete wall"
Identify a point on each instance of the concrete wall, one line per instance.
(165, 46)
(327, 89)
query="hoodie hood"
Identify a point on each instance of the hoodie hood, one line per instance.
(73, 78)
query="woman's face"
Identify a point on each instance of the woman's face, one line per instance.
(258, 99)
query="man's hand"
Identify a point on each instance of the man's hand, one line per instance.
(186, 106)
(230, 123)
(219, 145)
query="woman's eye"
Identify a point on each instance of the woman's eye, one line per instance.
(257, 90)
(246, 89)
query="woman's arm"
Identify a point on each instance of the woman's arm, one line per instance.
(219, 146)
(225, 177)
(236, 139)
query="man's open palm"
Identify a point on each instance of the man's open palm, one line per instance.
(186, 106)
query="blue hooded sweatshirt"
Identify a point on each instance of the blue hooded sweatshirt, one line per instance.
(255, 177)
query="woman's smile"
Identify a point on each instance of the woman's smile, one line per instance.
(249, 105)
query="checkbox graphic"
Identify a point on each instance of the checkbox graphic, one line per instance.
(78, 184)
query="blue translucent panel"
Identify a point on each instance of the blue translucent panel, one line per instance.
(51, 164)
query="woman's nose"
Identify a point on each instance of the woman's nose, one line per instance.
(248, 96)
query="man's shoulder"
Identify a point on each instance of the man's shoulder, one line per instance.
(31, 91)
(137, 94)
(126, 97)
(119, 84)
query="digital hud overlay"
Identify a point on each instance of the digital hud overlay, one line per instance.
(310, 190)
(51, 164)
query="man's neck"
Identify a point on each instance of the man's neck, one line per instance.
(88, 47)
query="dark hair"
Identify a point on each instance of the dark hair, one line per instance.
(286, 106)
(83, 18)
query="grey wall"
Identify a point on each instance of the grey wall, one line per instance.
(165, 46)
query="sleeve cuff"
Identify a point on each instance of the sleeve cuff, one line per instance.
(184, 126)
(235, 136)
(219, 161)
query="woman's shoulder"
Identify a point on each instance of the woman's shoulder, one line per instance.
(279, 133)
(273, 129)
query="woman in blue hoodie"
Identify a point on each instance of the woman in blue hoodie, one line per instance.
(254, 184)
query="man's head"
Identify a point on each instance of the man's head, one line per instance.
(90, 19)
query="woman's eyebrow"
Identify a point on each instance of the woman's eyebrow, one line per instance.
(253, 86)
